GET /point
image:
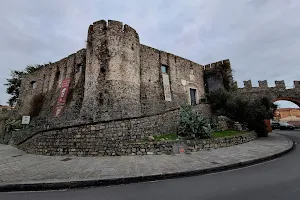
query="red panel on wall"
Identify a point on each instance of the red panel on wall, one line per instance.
(62, 97)
(64, 91)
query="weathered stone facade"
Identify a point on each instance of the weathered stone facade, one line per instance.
(115, 77)
(218, 75)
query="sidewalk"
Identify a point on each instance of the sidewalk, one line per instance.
(21, 171)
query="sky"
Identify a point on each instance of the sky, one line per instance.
(260, 37)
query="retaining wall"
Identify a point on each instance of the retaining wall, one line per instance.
(98, 138)
(95, 140)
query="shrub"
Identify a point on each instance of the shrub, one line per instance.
(12, 125)
(192, 124)
(258, 110)
(250, 113)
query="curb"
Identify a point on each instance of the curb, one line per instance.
(118, 181)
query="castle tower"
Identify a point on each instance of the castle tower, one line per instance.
(112, 78)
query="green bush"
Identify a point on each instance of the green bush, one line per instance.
(192, 124)
(258, 110)
(12, 125)
(249, 112)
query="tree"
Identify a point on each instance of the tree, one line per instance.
(14, 82)
(13, 86)
(249, 112)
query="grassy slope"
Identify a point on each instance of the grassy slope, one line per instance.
(173, 136)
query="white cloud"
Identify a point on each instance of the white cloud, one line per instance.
(260, 37)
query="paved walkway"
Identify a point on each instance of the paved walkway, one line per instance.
(21, 171)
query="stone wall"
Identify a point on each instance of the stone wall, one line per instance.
(48, 81)
(97, 140)
(112, 87)
(279, 92)
(218, 75)
(99, 137)
(183, 75)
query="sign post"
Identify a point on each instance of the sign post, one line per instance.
(25, 120)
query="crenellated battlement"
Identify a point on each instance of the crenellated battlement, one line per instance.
(280, 84)
(114, 27)
(278, 92)
(218, 75)
(296, 84)
(264, 85)
(214, 65)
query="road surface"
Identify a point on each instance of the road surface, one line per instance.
(277, 179)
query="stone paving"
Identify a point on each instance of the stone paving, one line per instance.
(17, 167)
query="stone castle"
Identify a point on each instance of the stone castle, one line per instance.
(115, 77)
(113, 93)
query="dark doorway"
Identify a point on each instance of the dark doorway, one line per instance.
(193, 96)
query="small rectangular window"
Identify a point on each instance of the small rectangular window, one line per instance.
(78, 68)
(192, 72)
(193, 96)
(203, 100)
(164, 69)
(33, 84)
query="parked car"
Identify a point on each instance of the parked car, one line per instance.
(275, 125)
(282, 126)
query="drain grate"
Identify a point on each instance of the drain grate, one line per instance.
(16, 155)
(66, 159)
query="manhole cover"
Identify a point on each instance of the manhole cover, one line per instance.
(16, 155)
(66, 159)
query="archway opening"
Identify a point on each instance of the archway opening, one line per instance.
(288, 111)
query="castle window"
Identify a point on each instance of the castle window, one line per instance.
(57, 74)
(101, 101)
(164, 69)
(193, 96)
(192, 72)
(33, 84)
(78, 68)
(102, 69)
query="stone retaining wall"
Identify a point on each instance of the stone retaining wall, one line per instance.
(169, 147)
(79, 143)
(97, 138)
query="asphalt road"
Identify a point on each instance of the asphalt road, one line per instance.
(277, 179)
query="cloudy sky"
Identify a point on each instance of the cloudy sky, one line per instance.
(260, 37)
